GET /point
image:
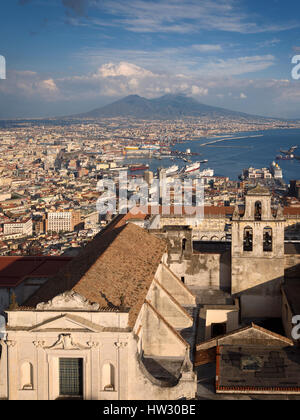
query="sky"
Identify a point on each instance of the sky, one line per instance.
(71, 56)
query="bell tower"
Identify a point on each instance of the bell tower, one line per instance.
(258, 256)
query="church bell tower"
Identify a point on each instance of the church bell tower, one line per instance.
(258, 256)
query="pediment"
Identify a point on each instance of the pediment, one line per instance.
(67, 323)
(253, 335)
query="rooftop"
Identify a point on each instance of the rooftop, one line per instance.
(259, 190)
(115, 270)
(13, 270)
(258, 369)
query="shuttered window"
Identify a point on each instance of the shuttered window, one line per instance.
(70, 377)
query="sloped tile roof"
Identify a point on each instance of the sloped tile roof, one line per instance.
(13, 270)
(115, 270)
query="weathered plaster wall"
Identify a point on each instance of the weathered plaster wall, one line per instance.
(207, 271)
(158, 338)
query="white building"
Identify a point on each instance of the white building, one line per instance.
(109, 326)
(62, 221)
(23, 228)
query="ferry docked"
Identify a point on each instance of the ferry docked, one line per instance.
(275, 170)
(133, 168)
(173, 170)
(192, 168)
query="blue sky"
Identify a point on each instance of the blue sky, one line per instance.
(69, 56)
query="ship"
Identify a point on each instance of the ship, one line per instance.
(118, 168)
(207, 172)
(283, 157)
(150, 147)
(275, 170)
(130, 148)
(173, 170)
(287, 154)
(139, 168)
(191, 168)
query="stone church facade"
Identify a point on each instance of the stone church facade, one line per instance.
(84, 335)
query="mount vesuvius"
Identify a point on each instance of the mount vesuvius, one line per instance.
(164, 107)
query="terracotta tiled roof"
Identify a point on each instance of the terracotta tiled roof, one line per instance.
(218, 340)
(291, 211)
(115, 269)
(259, 190)
(13, 270)
(144, 212)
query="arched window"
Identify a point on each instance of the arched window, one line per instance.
(26, 376)
(108, 377)
(257, 210)
(268, 240)
(248, 239)
(183, 244)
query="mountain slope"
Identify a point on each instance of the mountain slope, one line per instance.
(165, 107)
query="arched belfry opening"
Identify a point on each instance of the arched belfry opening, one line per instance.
(268, 240)
(248, 239)
(257, 210)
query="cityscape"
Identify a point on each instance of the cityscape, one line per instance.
(150, 231)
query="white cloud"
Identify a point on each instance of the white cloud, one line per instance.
(29, 84)
(237, 66)
(207, 47)
(184, 16)
(123, 69)
(116, 80)
(48, 85)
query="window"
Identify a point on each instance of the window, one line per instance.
(183, 244)
(26, 376)
(108, 377)
(70, 377)
(257, 211)
(268, 239)
(182, 280)
(248, 239)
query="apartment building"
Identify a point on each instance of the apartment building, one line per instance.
(62, 221)
(23, 227)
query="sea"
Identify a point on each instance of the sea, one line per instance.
(229, 154)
